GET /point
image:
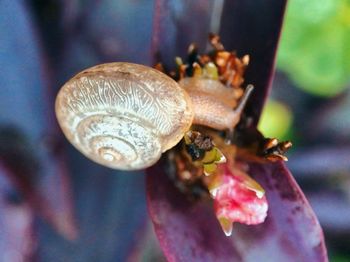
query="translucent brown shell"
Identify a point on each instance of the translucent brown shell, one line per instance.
(123, 115)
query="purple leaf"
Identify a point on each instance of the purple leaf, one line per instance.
(17, 237)
(290, 233)
(248, 27)
(110, 205)
(146, 248)
(186, 231)
(55, 187)
(111, 211)
(26, 107)
(253, 27)
(291, 230)
(176, 25)
(103, 31)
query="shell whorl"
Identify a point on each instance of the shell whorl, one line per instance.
(123, 115)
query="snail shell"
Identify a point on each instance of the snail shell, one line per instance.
(123, 115)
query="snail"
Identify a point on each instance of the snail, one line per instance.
(124, 115)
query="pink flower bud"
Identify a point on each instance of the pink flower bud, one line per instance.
(235, 200)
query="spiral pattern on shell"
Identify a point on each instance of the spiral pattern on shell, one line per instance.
(123, 115)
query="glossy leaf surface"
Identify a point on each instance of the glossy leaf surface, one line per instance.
(177, 220)
(290, 233)
(249, 27)
(253, 27)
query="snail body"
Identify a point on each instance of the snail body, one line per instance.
(213, 102)
(125, 115)
(210, 87)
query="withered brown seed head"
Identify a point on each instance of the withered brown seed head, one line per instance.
(215, 42)
(203, 142)
(274, 150)
(230, 67)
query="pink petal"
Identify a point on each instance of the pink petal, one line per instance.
(235, 202)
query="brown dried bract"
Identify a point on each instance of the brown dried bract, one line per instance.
(274, 150)
(186, 171)
(230, 68)
(216, 42)
(203, 142)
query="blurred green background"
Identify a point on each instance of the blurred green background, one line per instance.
(314, 54)
(310, 105)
